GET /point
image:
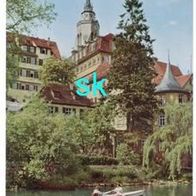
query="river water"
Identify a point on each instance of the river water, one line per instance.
(173, 190)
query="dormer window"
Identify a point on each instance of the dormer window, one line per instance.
(57, 94)
(43, 51)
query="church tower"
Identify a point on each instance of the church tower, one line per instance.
(87, 27)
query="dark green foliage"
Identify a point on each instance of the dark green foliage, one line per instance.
(132, 69)
(115, 174)
(97, 160)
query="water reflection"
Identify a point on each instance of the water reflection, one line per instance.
(178, 190)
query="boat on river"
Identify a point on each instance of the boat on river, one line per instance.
(132, 193)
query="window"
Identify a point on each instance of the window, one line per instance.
(24, 48)
(20, 72)
(67, 111)
(81, 111)
(27, 87)
(74, 111)
(29, 60)
(24, 59)
(40, 61)
(32, 49)
(35, 74)
(43, 51)
(28, 73)
(35, 88)
(162, 101)
(33, 60)
(180, 98)
(53, 109)
(162, 120)
(22, 87)
(32, 74)
(18, 86)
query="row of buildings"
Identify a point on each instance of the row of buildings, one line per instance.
(92, 53)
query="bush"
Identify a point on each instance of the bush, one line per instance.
(125, 156)
(97, 160)
(111, 174)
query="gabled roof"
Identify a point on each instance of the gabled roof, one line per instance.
(168, 82)
(37, 42)
(64, 95)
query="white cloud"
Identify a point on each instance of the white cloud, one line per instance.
(172, 22)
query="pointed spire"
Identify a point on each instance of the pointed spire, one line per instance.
(88, 6)
(168, 83)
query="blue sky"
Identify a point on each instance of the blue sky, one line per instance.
(170, 23)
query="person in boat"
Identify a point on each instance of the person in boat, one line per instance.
(96, 192)
(118, 189)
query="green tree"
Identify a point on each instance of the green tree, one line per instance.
(132, 68)
(91, 132)
(12, 64)
(126, 156)
(100, 121)
(23, 15)
(172, 142)
(38, 146)
(57, 70)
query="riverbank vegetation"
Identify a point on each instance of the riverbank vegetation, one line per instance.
(73, 151)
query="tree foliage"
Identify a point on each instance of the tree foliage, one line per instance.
(12, 61)
(172, 141)
(91, 132)
(23, 15)
(132, 69)
(41, 145)
(38, 146)
(57, 70)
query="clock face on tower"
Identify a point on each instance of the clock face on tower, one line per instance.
(86, 16)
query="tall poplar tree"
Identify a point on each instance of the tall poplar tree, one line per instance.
(132, 68)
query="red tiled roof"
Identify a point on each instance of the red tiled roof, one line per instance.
(182, 80)
(38, 42)
(63, 95)
(103, 44)
(160, 68)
